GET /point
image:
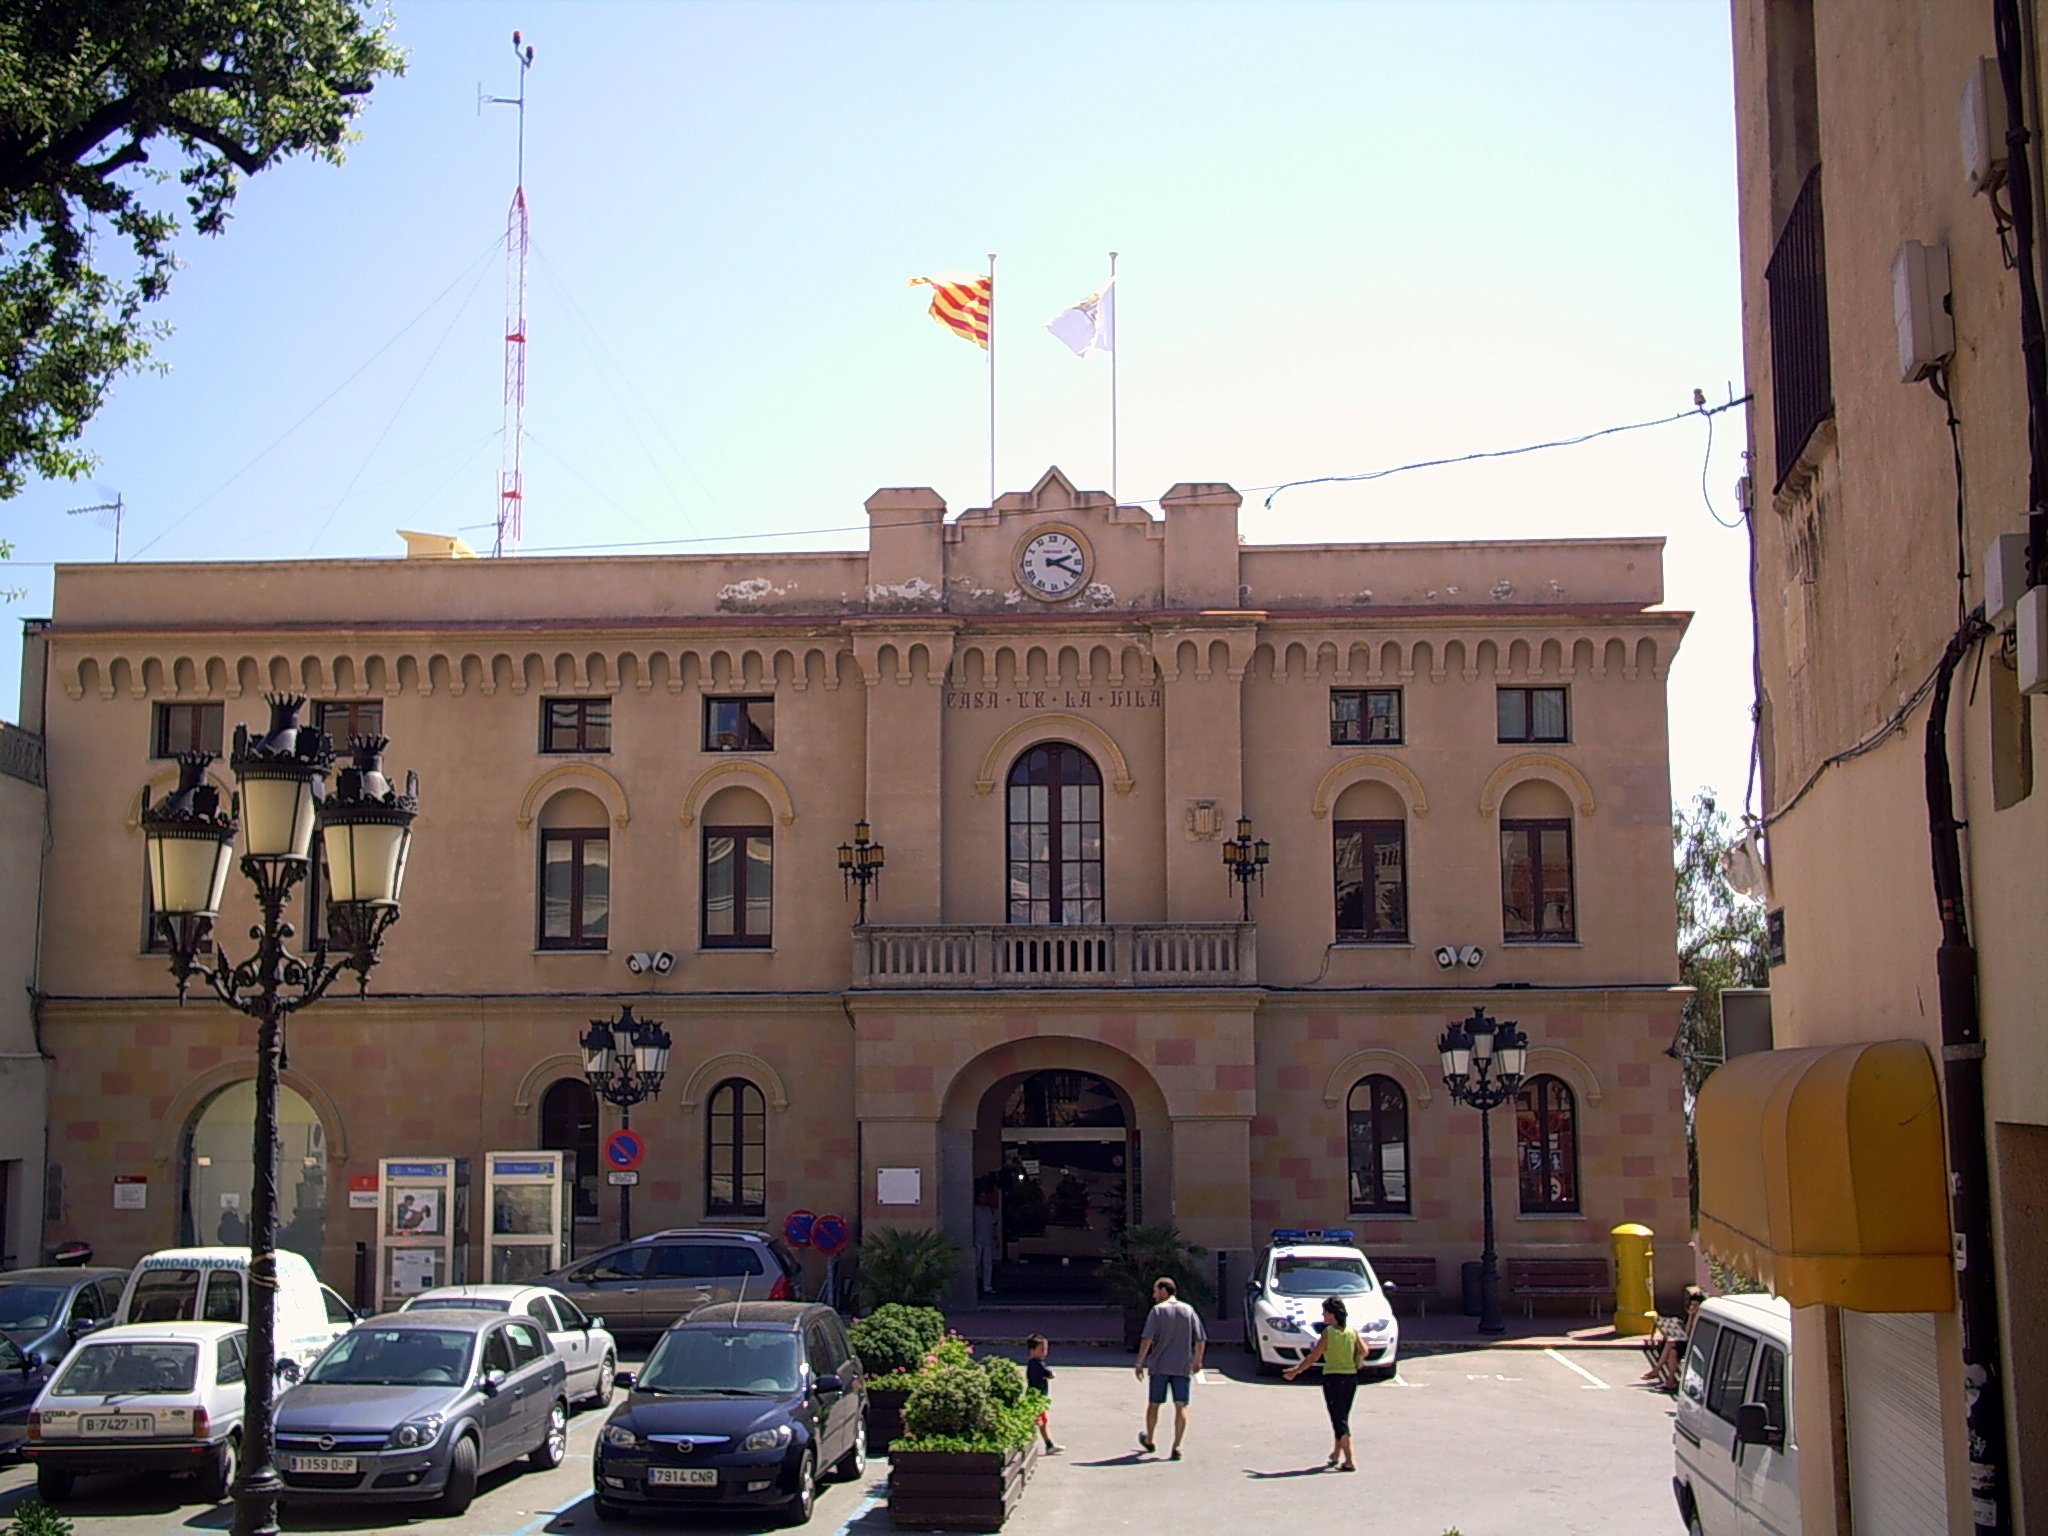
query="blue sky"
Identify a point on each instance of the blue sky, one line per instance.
(1351, 236)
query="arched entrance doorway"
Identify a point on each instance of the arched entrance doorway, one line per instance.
(1061, 1151)
(219, 1171)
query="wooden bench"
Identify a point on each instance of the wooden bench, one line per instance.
(1408, 1277)
(1531, 1279)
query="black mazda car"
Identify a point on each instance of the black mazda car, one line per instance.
(739, 1404)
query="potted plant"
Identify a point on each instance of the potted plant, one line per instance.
(893, 1342)
(970, 1443)
(1140, 1255)
(911, 1267)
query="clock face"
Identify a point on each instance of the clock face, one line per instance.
(1052, 564)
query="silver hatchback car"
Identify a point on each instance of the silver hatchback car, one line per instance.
(414, 1406)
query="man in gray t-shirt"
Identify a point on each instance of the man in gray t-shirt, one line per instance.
(1173, 1343)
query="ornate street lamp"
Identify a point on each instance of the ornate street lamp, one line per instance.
(624, 1060)
(860, 864)
(1245, 861)
(190, 839)
(1483, 1063)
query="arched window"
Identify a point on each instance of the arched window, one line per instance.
(219, 1173)
(1055, 836)
(568, 1123)
(1369, 840)
(1536, 865)
(575, 872)
(1547, 1146)
(1376, 1128)
(736, 1151)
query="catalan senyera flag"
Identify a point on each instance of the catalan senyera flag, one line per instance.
(962, 304)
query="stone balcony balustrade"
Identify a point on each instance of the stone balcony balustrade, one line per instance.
(1000, 957)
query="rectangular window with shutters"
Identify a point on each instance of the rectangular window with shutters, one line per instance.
(739, 887)
(352, 717)
(186, 728)
(576, 725)
(1360, 716)
(1532, 714)
(739, 724)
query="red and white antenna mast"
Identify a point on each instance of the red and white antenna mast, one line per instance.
(511, 472)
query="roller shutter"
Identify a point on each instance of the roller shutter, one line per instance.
(1898, 1474)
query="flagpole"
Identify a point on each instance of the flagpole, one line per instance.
(991, 378)
(1114, 349)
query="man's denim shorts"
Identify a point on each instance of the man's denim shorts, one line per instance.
(1157, 1386)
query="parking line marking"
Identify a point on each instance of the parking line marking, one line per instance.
(872, 1501)
(1574, 1366)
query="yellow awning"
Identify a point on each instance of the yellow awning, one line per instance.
(1822, 1174)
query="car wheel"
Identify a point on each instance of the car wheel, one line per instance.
(554, 1444)
(608, 1509)
(850, 1466)
(1260, 1364)
(1693, 1526)
(798, 1510)
(460, 1489)
(53, 1484)
(606, 1374)
(217, 1480)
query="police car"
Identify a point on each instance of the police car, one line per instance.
(1283, 1300)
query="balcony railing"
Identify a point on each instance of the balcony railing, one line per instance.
(21, 754)
(1802, 380)
(1006, 957)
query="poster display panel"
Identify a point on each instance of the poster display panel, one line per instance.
(422, 1226)
(529, 1196)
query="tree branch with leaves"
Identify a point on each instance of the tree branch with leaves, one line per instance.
(112, 114)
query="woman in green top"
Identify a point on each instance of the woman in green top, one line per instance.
(1339, 1352)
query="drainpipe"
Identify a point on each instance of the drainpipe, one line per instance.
(1962, 1077)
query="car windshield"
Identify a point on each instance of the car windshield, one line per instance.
(1302, 1274)
(396, 1357)
(723, 1360)
(30, 1306)
(456, 1304)
(123, 1367)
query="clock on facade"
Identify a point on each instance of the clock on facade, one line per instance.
(1052, 564)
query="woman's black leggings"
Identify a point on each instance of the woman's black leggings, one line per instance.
(1338, 1391)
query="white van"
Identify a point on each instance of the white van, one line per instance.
(1735, 1444)
(211, 1285)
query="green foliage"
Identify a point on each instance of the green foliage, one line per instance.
(1139, 1255)
(886, 1344)
(1721, 944)
(952, 1350)
(913, 1267)
(111, 115)
(37, 1519)
(950, 1400)
(1002, 1427)
(1006, 1385)
(1730, 1281)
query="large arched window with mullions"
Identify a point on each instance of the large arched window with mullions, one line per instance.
(1376, 1128)
(1055, 836)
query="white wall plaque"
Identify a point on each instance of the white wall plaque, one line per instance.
(899, 1186)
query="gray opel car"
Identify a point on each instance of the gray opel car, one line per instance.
(415, 1406)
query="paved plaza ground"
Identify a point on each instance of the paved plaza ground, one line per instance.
(1539, 1436)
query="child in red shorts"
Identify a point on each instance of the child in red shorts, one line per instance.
(1038, 1376)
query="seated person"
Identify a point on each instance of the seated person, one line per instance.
(1666, 1348)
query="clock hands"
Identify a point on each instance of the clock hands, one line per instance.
(1064, 562)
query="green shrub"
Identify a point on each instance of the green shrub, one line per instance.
(886, 1344)
(928, 1323)
(950, 1400)
(38, 1519)
(952, 1350)
(913, 1268)
(1140, 1255)
(1006, 1386)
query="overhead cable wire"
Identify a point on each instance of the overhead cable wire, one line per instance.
(1507, 453)
(316, 407)
(397, 410)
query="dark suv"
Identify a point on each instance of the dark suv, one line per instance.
(747, 1404)
(642, 1286)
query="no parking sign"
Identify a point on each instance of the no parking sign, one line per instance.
(797, 1227)
(829, 1235)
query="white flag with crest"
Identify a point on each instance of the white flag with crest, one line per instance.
(1090, 326)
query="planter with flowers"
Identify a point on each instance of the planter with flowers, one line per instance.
(894, 1343)
(969, 1445)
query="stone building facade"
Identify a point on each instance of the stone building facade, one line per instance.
(1052, 712)
(1884, 344)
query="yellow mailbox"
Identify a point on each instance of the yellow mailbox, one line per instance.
(1635, 1299)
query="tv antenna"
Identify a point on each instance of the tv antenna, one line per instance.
(511, 470)
(116, 507)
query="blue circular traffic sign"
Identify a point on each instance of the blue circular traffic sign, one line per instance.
(829, 1234)
(623, 1150)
